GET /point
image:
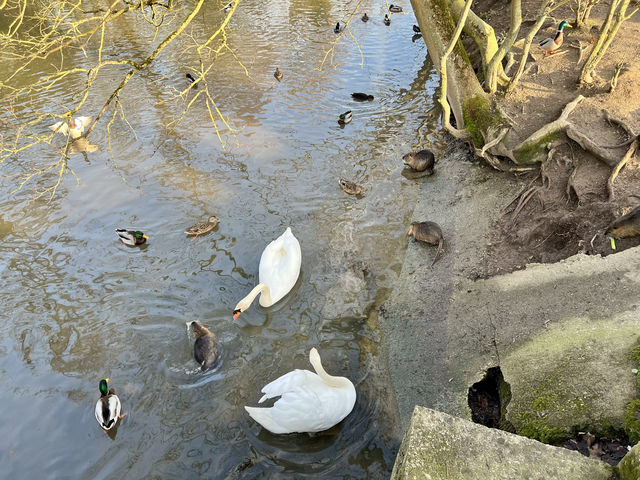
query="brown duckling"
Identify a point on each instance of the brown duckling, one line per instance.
(350, 187)
(428, 232)
(365, 17)
(201, 228)
(205, 350)
(626, 226)
(422, 161)
(278, 74)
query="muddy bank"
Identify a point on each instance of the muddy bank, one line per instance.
(443, 328)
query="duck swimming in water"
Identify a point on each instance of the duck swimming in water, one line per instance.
(350, 187)
(337, 28)
(205, 349)
(550, 45)
(108, 407)
(278, 74)
(73, 128)
(395, 8)
(361, 97)
(201, 228)
(386, 20)
(365, 17)
(345, 117)
(131, 238)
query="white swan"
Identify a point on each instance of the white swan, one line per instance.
(308, 402)
(277, 274)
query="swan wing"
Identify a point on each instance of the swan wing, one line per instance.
(280, 265)
(286, 383)
(60, 127)
(84, 121)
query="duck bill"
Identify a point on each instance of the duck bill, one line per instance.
(410, 232)
(144, 236)
(236, 314)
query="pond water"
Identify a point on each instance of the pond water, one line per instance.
(79, 306)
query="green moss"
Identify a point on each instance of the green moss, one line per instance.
(629, 466)
(632, 421)
(528, 152)
(539, 430)
(479, 117)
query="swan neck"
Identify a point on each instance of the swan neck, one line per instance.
(337, 382)
(260, 289)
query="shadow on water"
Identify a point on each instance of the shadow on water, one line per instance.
(81, 306)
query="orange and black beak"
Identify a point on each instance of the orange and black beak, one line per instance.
(410, 232)
(236, 313)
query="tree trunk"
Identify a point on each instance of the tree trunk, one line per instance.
(464, 92)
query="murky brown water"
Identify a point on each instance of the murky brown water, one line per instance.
(78, 306)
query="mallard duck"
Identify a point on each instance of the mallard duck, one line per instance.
(365, 17)
(74, 128)
(278, 74)
(428, 232)
(228, 7)
(345, 118)
(201, 228)
(277, 274)
(108, 407)
(395, 8)
(386, 20)
(205, 349)
(361, 97)
(309, 402)
(337, 28)
(550, 45)
(131, 238)
(191, 81)
(416, 28)
(350, 187)
(422, 161)
(626, 226)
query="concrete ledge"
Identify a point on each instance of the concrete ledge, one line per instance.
(439, 446)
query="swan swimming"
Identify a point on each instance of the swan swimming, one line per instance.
(309, 402)
(278, 272)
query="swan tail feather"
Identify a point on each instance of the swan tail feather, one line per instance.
(264, 418)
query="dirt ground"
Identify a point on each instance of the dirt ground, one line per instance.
(557, 217)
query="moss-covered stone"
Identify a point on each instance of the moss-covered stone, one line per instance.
(439, 446)
(629, 466)
(632, 421)
(577, 375)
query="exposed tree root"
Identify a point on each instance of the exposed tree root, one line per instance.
(572, 193)
(630, 153)
(614, 80)
(590, 146)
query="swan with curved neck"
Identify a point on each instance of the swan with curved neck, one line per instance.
(309, 402)
(278, 272)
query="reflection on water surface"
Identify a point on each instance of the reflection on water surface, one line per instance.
(80, 306)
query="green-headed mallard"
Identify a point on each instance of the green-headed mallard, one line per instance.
(108, 407)
(386, 20)
(350, 187)
(131, 238)
(428, 232)
(361, 97)
(201, 228)
(73, 128)
(205, 350)
(365, 17)
(550, 45)
(422, 161)
(345, 117)
(278, 74)
(395, 8)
